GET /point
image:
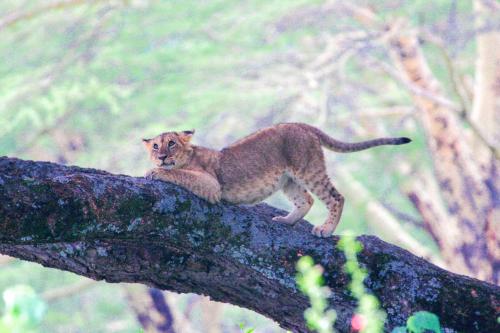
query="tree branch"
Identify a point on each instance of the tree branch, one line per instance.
(16, 17)
(125, 229)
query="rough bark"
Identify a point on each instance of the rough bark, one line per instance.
(125, 229)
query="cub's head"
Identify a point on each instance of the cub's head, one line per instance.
(170, 150)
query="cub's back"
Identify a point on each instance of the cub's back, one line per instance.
(265, 153)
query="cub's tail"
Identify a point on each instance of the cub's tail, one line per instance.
(346, 147)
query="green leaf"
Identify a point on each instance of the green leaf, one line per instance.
(24, 309)
(305, 263)
(423, 321)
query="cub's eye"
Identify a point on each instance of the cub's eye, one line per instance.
(155, 146)
(171, 143)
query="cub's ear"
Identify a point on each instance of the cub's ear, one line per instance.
(146, 141)
(187, 135)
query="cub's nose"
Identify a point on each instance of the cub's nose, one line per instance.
(162, 157)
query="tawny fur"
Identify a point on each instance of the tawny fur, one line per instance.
(284, 157)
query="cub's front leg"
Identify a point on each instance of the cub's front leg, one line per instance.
(200, 183)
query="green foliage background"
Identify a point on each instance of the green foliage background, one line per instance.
(83, 84)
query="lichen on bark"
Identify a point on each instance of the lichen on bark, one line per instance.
(125, 229)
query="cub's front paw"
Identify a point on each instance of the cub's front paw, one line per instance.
(324, 230)
(214, 197)
(151, 174)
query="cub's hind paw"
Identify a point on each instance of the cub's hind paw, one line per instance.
(324, 230)
(284, 219)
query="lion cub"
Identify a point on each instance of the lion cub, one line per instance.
(284, 157)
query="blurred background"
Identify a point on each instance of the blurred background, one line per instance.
(81, 82)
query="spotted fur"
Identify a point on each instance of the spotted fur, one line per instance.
(286, 157)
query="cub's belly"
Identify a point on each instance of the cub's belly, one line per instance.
(250, 191)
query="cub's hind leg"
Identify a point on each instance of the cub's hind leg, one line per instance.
(315, 179)
(335, 203)
(300, 198)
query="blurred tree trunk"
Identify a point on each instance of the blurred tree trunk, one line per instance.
(4, 260)
(151, 309)
(486, 109)
(211, 313)
(460, 204)
(157, 311)
(468, 187)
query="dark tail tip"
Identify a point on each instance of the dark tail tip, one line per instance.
(402, 141)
